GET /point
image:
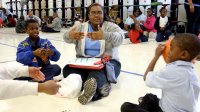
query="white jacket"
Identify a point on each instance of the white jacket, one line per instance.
(12, 88)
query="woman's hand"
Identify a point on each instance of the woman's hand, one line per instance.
(98, 35)
(73, 34)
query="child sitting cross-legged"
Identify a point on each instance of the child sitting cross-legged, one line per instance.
(35, 51)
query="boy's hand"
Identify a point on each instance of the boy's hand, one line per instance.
(49, 87)
(39, 52)
(36, 74)
(159, 50)
(49, 52)
(42, 53)
(151, 66)
(98, 35)
(73, 34)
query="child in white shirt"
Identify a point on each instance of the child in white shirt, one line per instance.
(178, 81)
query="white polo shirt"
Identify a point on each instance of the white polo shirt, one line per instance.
(179, 84)
(130, 21)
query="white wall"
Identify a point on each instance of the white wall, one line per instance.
(3, 3)
(128, 11)
(144, 8)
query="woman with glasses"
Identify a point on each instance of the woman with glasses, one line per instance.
(96, 37)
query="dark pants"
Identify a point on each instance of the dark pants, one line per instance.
(148, 103)
(193, 25)
(143, 38)
(48, 29)
(99, 75)
(162, 36)
(10, 25)
(49, 71)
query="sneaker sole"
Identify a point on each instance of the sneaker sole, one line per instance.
(89, 91)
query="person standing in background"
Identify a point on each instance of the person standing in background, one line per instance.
(192, 8)
(31, 16)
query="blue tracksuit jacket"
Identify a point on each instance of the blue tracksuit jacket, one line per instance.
(25, 52)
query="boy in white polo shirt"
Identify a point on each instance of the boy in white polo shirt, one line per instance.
(178, 81)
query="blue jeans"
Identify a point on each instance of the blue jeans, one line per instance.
(99, 75)
(50, 71)
(193, 24)
(162, 36)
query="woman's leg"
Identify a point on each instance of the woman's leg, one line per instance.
(97, 82)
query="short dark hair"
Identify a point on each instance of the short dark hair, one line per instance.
(162, 8)
(137, 8)
(21, 17)
(151, 10)
(30, 21)
(188, 42)
(89, 8)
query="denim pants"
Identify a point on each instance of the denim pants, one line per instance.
(50, 71)
(193, 24)
(99, 75)
(162, 36)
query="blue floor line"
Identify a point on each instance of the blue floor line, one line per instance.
(8, 45)
(131, 73)
(7, 61)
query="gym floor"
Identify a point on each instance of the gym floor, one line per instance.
(134, 58)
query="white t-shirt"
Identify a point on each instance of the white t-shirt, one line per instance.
(163, 21)
(179, 85)
(130, 21)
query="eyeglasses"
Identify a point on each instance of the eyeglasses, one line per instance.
(98, 13)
